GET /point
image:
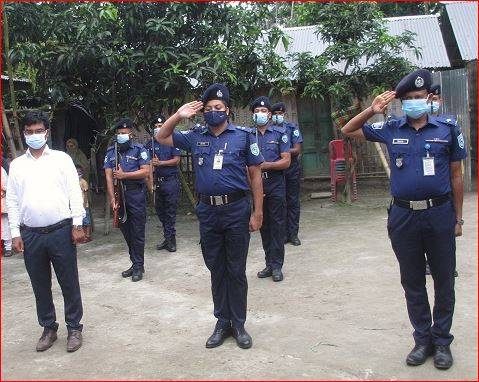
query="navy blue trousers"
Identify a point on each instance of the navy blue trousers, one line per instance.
(274, 221)
(167, 196)
(292, 177)
(40, 251)
(413, 235)
(133, 229)
(224, 233)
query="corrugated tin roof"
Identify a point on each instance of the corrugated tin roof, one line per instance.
(428, 38)
(463, 17)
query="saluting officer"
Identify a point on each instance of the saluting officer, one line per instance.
(274, 145)
(426, 210)
(292, 174)
(223, 156)
(165, 161)
(134, 168)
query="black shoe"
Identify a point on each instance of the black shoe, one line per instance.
(137, 274)
(267, 272)
(129, 272)
(286, 241)
(295, 241)
(219, 335)
(161, 246)
(428, 270)
(277, 275)
(442, 357)
(418, 355)
(243, 339)
(171, 244)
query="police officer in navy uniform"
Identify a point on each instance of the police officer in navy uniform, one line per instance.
(425, 215)
(165, 161)
(292, 174)
(134, 168)
(223, 156)
(274, 144)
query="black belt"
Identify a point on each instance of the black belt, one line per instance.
(133, 186)
(271, 174)
(165, 178)
(47, 229)
(219, 200)
(422, 204)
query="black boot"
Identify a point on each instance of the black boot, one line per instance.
(137, 274)
(162, 245)
(295, 240)
(442, 357)
(171, 244)
(243, 339)
(267, 272)
(418, 355)
(220, 333)
(129, 272)
(277, 275)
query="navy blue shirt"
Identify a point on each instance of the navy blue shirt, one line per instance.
(238, 148)
(273, 143)
(407, 148)
(163, 153)
(130, 160)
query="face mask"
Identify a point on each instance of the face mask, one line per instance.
(122, 138)
(156, 131)
(415, 108)
(36, 141)
(277, 119)
(435, 106)
(215, 118)
(260, 119)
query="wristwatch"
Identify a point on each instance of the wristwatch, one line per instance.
(78, 227)
(460, 221)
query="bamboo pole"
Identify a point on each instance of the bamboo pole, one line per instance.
(382, 157)
(10, 81)
(8, 134)
(187, 189)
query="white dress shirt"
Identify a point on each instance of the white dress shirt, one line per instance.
(43, 191)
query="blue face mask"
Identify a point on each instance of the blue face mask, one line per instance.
(215, 118)
(36, 141)
(122, 138)
(260, 119)
(415, 108)
(277, 119)
(435, 106)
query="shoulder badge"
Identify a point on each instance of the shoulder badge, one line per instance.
(254, 149)
(377, 125)
(296, 133)
(244, 128)
(284, 138)
(460, 141)
(144, 155)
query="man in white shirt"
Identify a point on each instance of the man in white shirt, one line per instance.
(45, 209)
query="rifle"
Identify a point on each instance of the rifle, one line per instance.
(151, 178)
(118, 195)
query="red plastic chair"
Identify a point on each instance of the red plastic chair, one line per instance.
(337, 168)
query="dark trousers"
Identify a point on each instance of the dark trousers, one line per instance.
(430, 232)
(57, 248)
(167, 195)
(224, 232)
(274, 221)
(292, 177)
(133, 229)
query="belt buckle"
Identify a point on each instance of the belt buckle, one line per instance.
(216, 200)
(418, 204)
(43, 230)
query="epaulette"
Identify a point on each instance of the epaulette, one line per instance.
(198, 128)
(280, 129)
(246, 129)
(110, 148)
(447, 119)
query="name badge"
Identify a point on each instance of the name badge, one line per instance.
(202, 144)
(428, 166)
(400, 141)
(218, 162)
(273, 142)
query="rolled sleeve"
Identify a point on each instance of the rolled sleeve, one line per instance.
(175, 152)
(458, 145)
(284, 144)
(183, 139)
(108, 163)
(254, 156)
(376, 132)
(144, 158)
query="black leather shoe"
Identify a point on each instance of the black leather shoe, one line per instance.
(218, 337)
(137, 275)
(129, 272)
(243, 339)
(277, 275)
(418, 355)
(267, 272)
(295, 241)
(161, 246)
(171, 244)
(442, 357)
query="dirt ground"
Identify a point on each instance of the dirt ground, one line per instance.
(340, 312)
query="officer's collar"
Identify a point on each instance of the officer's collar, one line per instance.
(269, 127)
(431, 120)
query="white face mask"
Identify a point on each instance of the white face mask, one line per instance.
(36, 141)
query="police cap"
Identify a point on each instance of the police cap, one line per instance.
(261, 102)
(124, 123)
(216, 91)
(417, 80)
(280, 106)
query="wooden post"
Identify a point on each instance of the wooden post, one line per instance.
(382, 157)
(10, 81)
(8, 134)
(185, 186)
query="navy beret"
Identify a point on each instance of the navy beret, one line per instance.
(216, 91)
(261, 102)
(417, 80)
(280, 106)
(435, 89)
(124, 123)
(158, 119)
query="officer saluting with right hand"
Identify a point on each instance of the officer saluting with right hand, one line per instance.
(223, 156)
(426, 213)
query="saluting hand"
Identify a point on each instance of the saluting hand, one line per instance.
(190, 109)
(382, 101)
(119, 174)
